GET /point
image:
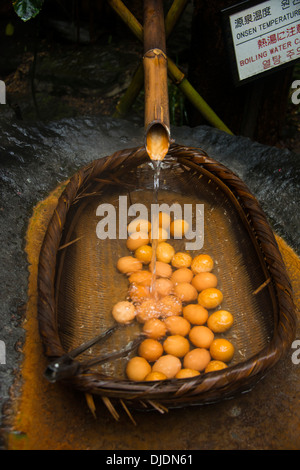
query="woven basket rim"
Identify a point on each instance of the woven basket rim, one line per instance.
(203, 388)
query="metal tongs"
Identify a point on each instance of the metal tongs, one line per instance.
(66, 366)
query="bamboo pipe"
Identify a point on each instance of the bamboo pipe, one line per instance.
(157, 119)
(189, 91)
(137, 81)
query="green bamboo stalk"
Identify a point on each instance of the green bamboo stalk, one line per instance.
(174, 73)
(133, 24)
(193, 96)
(131, 93)
(173, 15)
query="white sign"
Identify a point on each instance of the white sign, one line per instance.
(265, 36)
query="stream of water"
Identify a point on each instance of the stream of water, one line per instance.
(155, 222)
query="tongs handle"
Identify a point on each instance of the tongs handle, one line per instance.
(66, 366)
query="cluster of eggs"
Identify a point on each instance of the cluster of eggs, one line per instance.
(177, 302)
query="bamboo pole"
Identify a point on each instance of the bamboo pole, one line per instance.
(173, 15)
(137, 81)
(157, 120)
(188, 90)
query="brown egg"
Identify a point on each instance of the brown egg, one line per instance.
(164, 252)
(162, 269)
(143, 278)
(124, 312)
(186, 373)
(150, 349)
(164, 286)
(155, 328)
(182, 275)
(181, 260)
(202, 263)
(139, 225)
(137, 368)
(204, 281)
(176, 345)
(210, 298)
(215, 365)
(168, 365)
(196, 359)
(178, 228)
(170, 305)
(195, 314)
(129, 264)
(153, 376)
(185, 292)
(137, 239)
(220, 321)
(138, 292)
(201, 336)
(221, 350)
(147, 309)
(177, 325)
(144, 254)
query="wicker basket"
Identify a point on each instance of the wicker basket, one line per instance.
(78, 281)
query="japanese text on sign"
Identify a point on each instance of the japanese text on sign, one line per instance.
(266, 36)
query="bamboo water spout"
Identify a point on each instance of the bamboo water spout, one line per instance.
(157, 119)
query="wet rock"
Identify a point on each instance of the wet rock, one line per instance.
(272, 174)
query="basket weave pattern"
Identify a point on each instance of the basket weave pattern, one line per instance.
(206, 387)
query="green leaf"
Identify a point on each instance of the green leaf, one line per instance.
(27, 9)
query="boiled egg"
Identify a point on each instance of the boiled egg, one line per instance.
(124, 312)
(202, 263)
(150, 349)
(186, 373)
(147, 309)
(178, 228)
(167, 364)
(137, 368)
(165, 252)
(163, 286)
(221, 350)
(177, 325)
(137, 239)
(201, 336)
(170, 305)
(196, 359)
(176, 345)
(185, 292)
(182, 275)
(129, 264)
(220, 321)
(195, 314)
(181, 260)
(204, 280)
(155, 328)
(210, 298)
